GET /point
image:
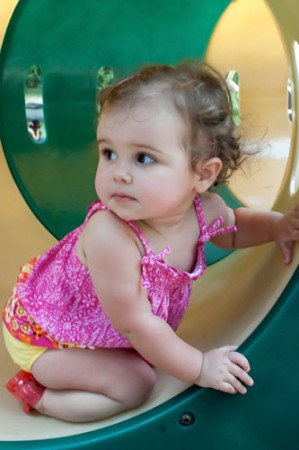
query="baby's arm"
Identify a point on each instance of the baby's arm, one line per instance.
(115, 271)
(258, 227)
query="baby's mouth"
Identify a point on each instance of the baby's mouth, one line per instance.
(120, 197)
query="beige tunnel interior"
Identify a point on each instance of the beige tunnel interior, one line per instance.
(258, 39)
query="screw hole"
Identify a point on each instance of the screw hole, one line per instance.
(187, 419)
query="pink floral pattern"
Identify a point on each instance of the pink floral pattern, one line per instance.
(54, 303)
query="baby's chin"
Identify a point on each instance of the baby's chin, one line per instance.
(124, 215)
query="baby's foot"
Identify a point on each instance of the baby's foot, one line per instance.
(24, 387)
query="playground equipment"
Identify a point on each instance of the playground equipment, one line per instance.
(247, 297)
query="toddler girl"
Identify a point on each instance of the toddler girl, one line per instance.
(89, 320)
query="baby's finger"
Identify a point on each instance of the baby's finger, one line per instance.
(238, 373)
(232, 386)
(237, 385)
(229, 348)
(227, 387)
(240, 360)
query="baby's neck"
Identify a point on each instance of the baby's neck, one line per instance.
(180, 234)
(167, 225)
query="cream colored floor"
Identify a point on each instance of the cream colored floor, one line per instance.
(234, 315)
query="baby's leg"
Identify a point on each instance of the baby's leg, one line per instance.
(85, 385)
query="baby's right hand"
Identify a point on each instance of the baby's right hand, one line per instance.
(226, 370)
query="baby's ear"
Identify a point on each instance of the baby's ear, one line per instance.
(207, 171)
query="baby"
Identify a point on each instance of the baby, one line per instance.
(89, 320)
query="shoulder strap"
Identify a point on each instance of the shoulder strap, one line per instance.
(200, 214)
(98, 205)
(141, 236)
(94, 207)
(207, 233)
(146, 244)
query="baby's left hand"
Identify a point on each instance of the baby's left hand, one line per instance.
(285, 233)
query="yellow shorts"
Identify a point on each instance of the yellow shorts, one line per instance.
(24, 355)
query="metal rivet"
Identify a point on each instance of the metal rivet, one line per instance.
(187, 419)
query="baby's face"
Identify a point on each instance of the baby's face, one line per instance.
(144, 172)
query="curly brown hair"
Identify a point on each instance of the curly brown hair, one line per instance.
(200, 94)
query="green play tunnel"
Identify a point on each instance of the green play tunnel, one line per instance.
(247, 297)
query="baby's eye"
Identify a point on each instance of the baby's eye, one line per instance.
(143, 158)
(108, 154)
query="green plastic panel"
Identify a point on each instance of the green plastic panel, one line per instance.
(265, 419)
(70, 40)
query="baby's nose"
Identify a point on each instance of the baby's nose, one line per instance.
(122, 175)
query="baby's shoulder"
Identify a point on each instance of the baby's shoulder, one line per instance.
(103, 230)
(213, 206)
(106, 224)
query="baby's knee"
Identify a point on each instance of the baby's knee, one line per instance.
(148, 380)
(141, 387)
